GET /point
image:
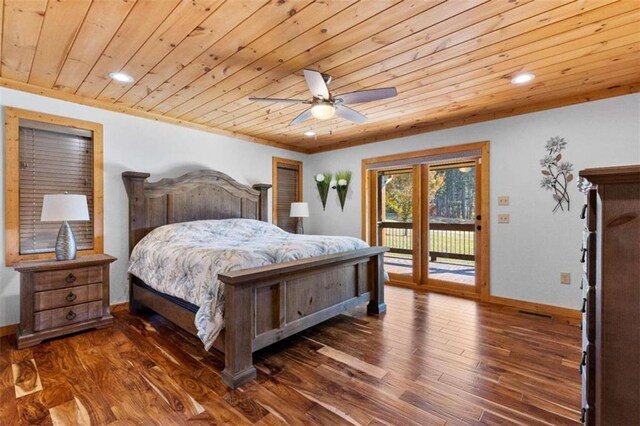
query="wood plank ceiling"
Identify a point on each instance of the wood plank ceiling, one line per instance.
(196, 62)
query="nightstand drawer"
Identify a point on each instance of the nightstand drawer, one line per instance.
(51, 280)
(69, 315)
(67, 296)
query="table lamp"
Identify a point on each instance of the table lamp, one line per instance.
(299, 210)
(65, 207)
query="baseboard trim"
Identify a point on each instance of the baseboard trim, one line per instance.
(538, 308)
(435, 289)
(119, 307)
(7, 330)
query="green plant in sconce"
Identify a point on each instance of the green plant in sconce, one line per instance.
(343, 179)
(323, 183)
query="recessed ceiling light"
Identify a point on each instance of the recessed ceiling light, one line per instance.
(309, 133)
(121, 77)
(523, 78)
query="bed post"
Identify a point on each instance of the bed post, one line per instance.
(376, 285)
(263, 203)
(238, 335)
(134, 185)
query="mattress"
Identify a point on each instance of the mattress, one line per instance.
(184, 259)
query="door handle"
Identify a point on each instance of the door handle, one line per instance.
(478, 217)
(479, 228)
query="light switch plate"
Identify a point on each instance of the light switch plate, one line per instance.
(503, 200)
(565, 278)
(503, 218)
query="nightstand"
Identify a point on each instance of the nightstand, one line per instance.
(62, 297)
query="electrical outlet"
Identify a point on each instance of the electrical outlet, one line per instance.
(503, 200)
(503, 218)
(565, 278)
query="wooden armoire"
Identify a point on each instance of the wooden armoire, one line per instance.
(610, 364)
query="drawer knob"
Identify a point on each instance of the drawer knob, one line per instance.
(70, 278)
(583, 214)
(71, 297)
(70, 316)
(583, 362)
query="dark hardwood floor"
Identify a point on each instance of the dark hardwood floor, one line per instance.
(432, 359)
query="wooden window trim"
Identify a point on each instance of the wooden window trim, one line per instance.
(12, 181)
(274, 182)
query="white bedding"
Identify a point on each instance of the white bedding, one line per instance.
(184, 260)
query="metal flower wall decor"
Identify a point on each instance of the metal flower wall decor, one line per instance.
(556, 173)
(342, 186)
(323, 182)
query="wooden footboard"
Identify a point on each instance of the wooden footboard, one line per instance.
(266, 304)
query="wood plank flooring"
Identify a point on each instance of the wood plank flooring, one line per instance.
(431, 359)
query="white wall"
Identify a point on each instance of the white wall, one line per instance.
(132, 143)
(528, 254)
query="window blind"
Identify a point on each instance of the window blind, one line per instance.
(53, 160)
(287, 194)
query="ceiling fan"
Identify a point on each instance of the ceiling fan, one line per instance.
(325, 106)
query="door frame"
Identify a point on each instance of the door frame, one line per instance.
(369, 203)
(275, 161)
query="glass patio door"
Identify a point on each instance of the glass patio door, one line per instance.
(396, 209)
(451, 214)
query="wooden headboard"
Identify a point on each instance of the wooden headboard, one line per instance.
(198, 195)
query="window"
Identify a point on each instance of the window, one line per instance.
(47, 154)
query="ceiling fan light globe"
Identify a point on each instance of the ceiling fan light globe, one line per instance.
(323, 111)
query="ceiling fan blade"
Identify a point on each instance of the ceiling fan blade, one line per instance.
(299, 119)
(289, 101)
(368, 95)
(350, 114)
(316, 84)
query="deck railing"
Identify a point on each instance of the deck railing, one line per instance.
(446, 240)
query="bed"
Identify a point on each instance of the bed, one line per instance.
(261, 304)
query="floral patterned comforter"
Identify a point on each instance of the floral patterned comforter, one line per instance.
(184, 259)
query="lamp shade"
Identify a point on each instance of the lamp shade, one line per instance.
(299, 210)
(61, 207)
